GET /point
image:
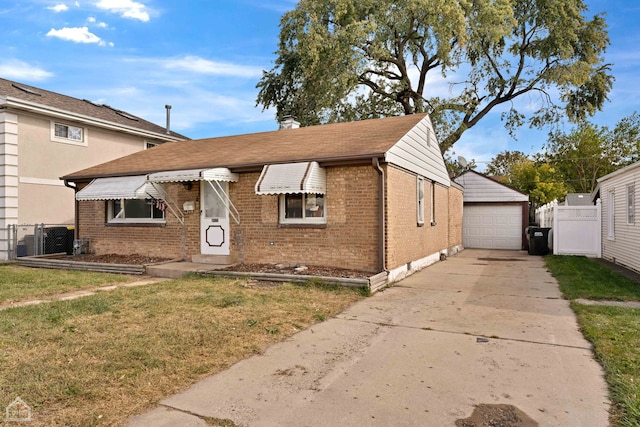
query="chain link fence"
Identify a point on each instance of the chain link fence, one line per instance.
(36, 239)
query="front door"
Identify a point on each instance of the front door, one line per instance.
(214, 218)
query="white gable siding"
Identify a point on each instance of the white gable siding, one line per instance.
(624, 246)
(479, 188)
(418, 151)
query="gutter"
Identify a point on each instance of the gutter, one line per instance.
(81, 118)
(382, 255)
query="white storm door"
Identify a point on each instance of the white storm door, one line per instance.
(214, 219)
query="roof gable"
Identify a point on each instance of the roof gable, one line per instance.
(25, 97)
(418, 151)
(336, 142)
(480, 188)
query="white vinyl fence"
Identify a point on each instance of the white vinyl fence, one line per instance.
(575, 230)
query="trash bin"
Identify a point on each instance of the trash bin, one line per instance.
(538, 240)
(58, 240)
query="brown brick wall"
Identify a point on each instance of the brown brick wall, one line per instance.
(455, 216)
(349, 239)
(406, 241)
(162, 241)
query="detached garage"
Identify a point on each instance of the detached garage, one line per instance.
(494, 214)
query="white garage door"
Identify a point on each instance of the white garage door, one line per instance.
(492, 226)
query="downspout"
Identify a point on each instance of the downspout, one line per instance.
(76, 222)
(382, 255)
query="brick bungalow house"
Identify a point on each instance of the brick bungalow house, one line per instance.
(371, 195)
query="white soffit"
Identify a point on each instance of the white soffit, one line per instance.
(215, 174)
(289, 178)
(114, 188)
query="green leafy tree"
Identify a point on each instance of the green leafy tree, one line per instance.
(501, 164)
(340, 60)
(590, 151)
(540, 181)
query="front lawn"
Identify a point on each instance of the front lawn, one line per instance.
(613, 331)
(20, 284)
(100, 359)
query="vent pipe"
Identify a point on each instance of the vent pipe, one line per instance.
(168, 107)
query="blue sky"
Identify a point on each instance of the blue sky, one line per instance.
(204, 57)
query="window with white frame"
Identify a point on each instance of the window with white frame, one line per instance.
(631, 204)
(302, 209)
(420, 201)
(136, 211)
(432, 210)
(148, 145)
(61, 132)
(611, 208)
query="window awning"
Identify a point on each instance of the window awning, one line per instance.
(215, 174)
(288, 178)
(122, 187)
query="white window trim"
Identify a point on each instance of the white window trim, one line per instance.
(54, 138)
(432, 207)
(611, 208)
(420, 201)
(116, 218)
(630, 204)
(149, 144)
(304, 220)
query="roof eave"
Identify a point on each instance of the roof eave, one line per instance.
(237, 168)
(81, 118)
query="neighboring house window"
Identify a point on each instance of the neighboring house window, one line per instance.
(68, 134)
(631, 204)
(148, 145)
(611, 208)
(302, 209)
(432, 190)
(420, 201)
(135, 210)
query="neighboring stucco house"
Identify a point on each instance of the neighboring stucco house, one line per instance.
(44, 135)
(372, 195)
(495, 215)
(618, 192)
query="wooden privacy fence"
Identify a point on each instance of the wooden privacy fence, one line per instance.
(575, 230)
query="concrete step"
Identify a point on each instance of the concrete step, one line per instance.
(211, 259)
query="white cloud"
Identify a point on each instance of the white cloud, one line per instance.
(59, 8)
(20, 70)
(199, 65)
(91, 19)
(76, 34)
(126, 9)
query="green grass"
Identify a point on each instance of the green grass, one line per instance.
(615, 335)
(613, 331)
(581, 277)
(19, 283)
(100, 359)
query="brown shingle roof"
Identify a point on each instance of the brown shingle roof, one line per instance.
(36, 95)
(332, 142)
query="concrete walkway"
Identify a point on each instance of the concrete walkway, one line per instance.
(482, 327)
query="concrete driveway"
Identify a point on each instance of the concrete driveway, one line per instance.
(482, 327)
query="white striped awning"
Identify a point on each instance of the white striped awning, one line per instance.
(122, 187)
(289, 178)
(215, 174)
